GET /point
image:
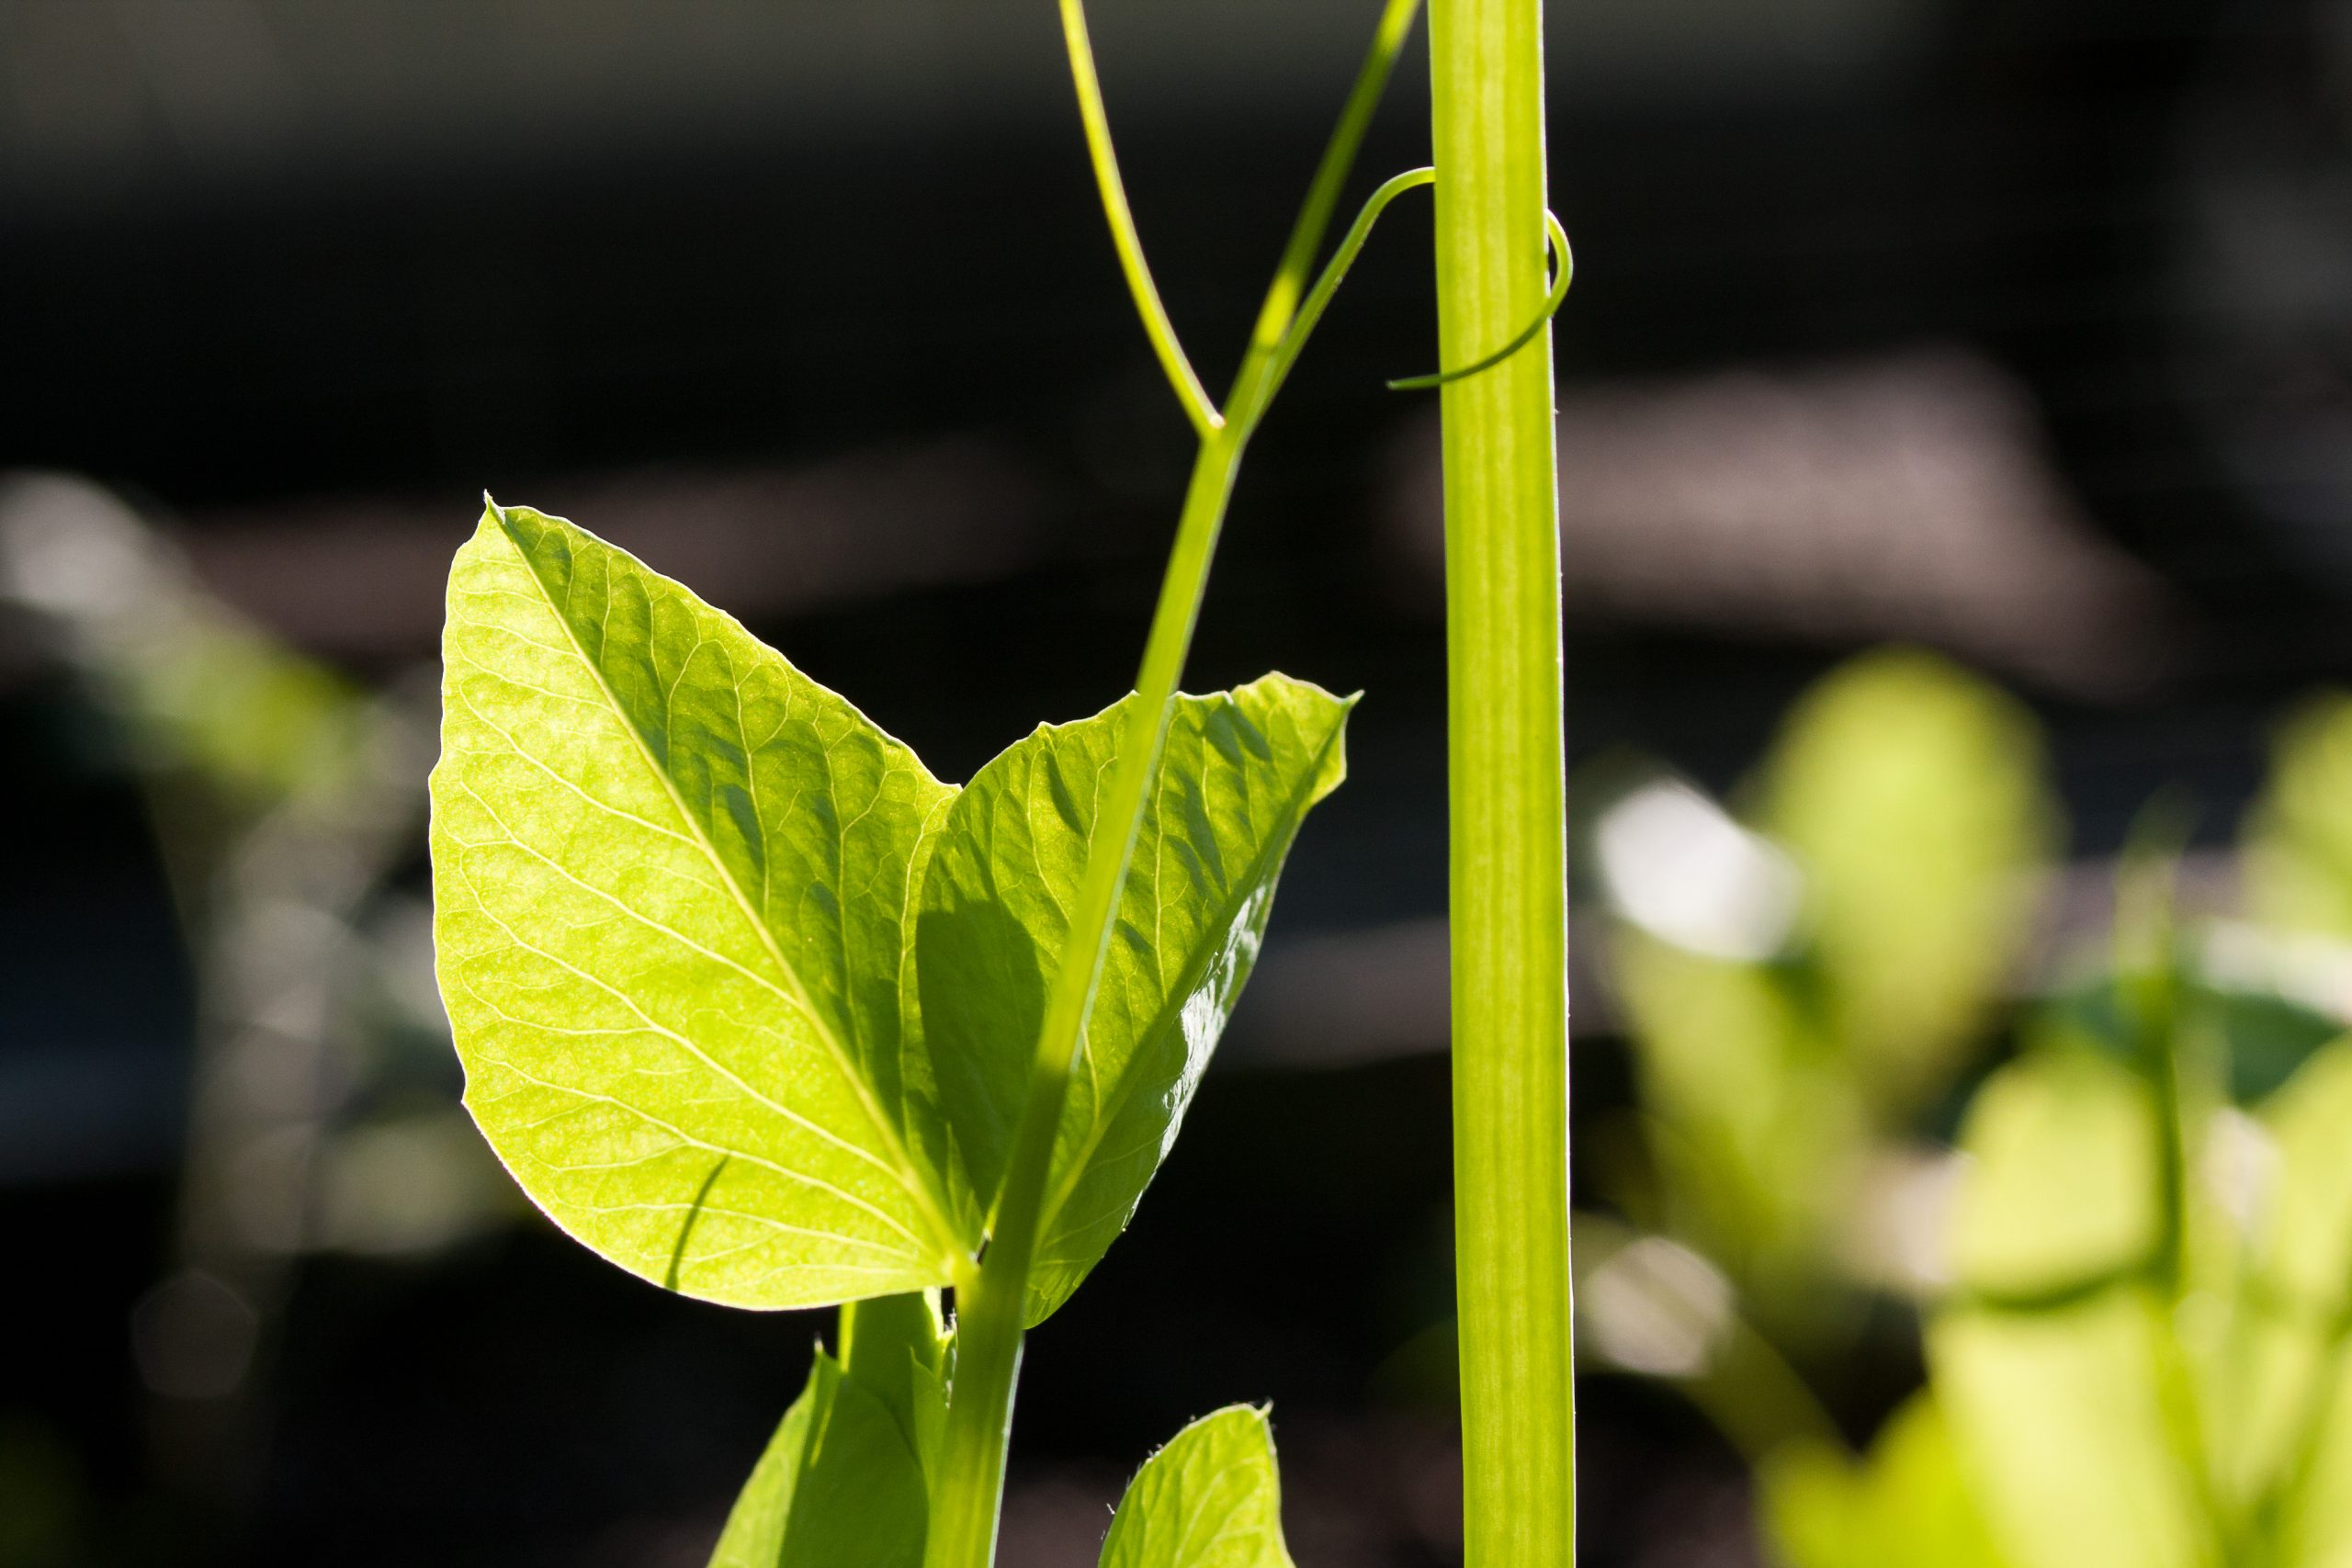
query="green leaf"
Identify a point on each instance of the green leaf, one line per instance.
(2317, 1528)
(2058, 1368)
(2305, 1248)
(2276, 1383)
(2061, 1417)
(1758, 1135)
(2298, 835)
(2062, 1121)
(1907, 1504)
(896, 1348)
(838, 1487)
(1911, 791)
(674, 879)
(1239, 772)
(1210, 1500)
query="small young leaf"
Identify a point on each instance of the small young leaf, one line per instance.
(895, 1347)
(838, 1487)
(1238, 774)
(1210, 1500)
(674, 880)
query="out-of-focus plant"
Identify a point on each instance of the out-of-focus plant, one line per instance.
(748, 1001)
(2135, 1277)
(2142, 1357)
(283, 796)
(755, 1007)
(1799, 984)
(2299, 838)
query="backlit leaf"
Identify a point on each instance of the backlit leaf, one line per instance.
(1210, 1500)
(1239, 772)
(838, 1487)
(896, 1348)
(673, 880)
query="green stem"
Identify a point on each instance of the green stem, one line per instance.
(1506, 766)
(991, 1301)
(990, 1308)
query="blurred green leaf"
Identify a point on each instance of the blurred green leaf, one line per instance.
(1912, 794)
(2057, 1368)
(674, 883)
(2059, 1418)
(2313, 1528)
(2269, 1036)
(2059, 1194)
(1238, 774)
(1908, 1505)
(2297, 838)
(837, 1488)
(2277, 1382)
(2305, 1247)
(1210, 1500)
(246, 712)
(1755, 1130)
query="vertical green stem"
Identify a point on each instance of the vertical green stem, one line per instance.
(1506, 765)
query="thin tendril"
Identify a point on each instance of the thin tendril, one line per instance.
(1156, 325)
(1253, 390)
(1566, 273)
(1319, 298)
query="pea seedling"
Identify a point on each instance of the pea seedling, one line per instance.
(757, 1008)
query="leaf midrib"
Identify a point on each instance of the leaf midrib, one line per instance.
(1123, 1089)
(902, 1167)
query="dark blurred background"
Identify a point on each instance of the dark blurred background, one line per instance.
(2021, 330)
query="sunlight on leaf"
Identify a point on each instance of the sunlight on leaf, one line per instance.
(838, 1487)
(896, 1348)
(674, 879)
(1239, 774)
(1210, 1500)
